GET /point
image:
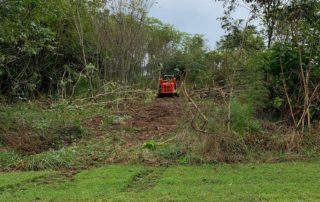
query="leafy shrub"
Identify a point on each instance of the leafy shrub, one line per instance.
(150, 145)
(242, 119)
(149, 95)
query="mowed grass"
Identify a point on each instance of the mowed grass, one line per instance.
(10, 180)
(261, 182)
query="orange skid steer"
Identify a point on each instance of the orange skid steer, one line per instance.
(167, 86)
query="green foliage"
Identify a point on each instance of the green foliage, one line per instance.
(291, 63)
(247, 39)
(150, 145)
(284, 65)
(242, 119)
(254, 91)
(150, 95)
(29, 44)
(278, 102)
(164, 43)
(62, 47)
(190, 60)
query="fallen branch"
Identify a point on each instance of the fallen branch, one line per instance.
(198, 110)
(193, 103)
(308, 105)
(136, 113)
(287, 94)
(109, 93)
(105, 103)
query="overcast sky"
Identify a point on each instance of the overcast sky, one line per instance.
(193, 16)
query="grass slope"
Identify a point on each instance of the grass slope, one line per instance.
(264, 182)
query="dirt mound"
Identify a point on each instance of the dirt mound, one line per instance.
(157, 119)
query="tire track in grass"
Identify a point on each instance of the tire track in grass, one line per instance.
(36, 181)
(145, 180)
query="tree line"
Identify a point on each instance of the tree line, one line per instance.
(57, 47)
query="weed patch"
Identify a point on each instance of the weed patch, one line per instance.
(30, 128)
(8, 159)
(61, 159)
(172, 151)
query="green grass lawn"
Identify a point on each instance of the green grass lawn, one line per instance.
(13, 179)
(260, 182)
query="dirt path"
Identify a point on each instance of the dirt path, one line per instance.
(156, 119)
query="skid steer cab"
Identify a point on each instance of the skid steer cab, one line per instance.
(168, 86)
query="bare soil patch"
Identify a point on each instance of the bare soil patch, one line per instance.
(28, 141)
(156, 119)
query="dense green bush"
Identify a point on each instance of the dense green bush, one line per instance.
(242, 118)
